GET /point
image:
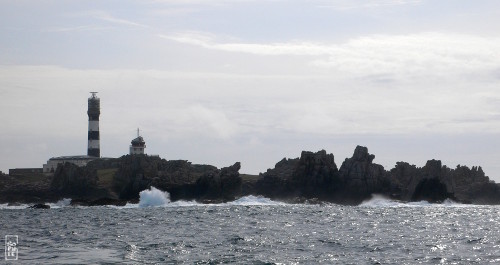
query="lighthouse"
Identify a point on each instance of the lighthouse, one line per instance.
(94, 111)
(138, 145)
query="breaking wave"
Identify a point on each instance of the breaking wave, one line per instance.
(153, 198)
(13, 206)
(157, 198)
(254, 200)
(60, 204)
(382, 201)
(56, 205)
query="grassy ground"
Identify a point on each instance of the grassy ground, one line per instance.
(249, 178)
(106, 177)
(30, 178)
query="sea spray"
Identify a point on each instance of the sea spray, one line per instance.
(378, 200)
(254, 200)
(153, 197)
(61, 203)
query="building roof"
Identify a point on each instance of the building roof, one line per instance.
(139, 141)
(82, 157)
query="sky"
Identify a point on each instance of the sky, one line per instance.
(220, 81)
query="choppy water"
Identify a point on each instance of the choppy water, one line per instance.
(256, 231)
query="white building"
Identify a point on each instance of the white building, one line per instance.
(137, 145)
(80, 161)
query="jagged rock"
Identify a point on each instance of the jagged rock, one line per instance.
(431, 190)
(360, 176)
(275, 182)
(316, 175)
(313, 175)
(400, 179)
(70, 179)
(107, 201)
(40, 206)
(222, 184)
(435, 182)
(138, 172)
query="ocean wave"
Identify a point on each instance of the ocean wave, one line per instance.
(56, 205)
(254, 200)
(13, 206)
(381, 201)
(60, 204)
(154, 197)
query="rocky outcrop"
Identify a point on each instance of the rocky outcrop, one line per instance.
(432, 190)
(275, 182)
(472, 185)
(435, 183)
(98, 202)
(70, 179)
(223, 184)
(138, 172)
(361, 177)
(39, 206)
(26, 189)
(313, 175)
(316, 174)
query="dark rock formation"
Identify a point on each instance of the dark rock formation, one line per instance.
(70, 179)
(26, 189)
(316, 175)
(138, 172)
(275, 183)
(39, 206)
(361, 177)
(312, 178)
(432, 190)
(313, 175)
(223, 184)
(435, 183)
(98, 202)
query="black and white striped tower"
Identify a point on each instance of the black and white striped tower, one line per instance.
(94, 112)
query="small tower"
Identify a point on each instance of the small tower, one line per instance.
(138, 145)
(94, 111)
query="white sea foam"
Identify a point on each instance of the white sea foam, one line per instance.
(16, 206)
(254, 200)
(381, 201)
(153, 198)
(60, 204)
(156, 198)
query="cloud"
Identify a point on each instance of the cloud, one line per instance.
(106, 16)
(204, 2)
(78, 28)
(346, 5)
(174, 11)
(419, 54)
(208, 41)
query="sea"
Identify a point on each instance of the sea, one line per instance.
(254, 230)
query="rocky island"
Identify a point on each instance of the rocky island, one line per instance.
(313, 177)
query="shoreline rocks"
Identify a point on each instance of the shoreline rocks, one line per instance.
(311, 178)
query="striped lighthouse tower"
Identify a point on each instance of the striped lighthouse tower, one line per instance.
(94, 112)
